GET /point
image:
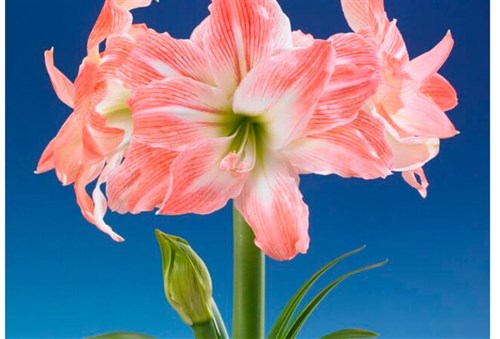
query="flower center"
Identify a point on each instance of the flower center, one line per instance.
(246, 146)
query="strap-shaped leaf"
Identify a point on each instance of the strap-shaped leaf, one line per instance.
(351, 333)
(281, 323)
(122, 335)
(301, 318)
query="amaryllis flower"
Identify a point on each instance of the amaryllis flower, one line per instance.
(249, 106)
(413, 97)
(91, 142)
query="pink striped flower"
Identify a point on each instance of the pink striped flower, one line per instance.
(413, 97)
(242, 108)
(93, 139)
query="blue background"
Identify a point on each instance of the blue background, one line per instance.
(65, 279)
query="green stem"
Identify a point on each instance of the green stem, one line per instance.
(205, 330)
(219, 323)
(249, 282)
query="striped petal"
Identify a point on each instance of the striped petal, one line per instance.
(272, 205)
(62, 86)
(439, 90)
(421, 117)
(199, 184)
(364, 13)
(356, 78)
(284, 91)
(141, 182)
(177, 112)
(241, 34)
(427, 64)
(157, 56)
(115, 18)
(358, 149)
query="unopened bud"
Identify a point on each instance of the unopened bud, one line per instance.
(187, 283)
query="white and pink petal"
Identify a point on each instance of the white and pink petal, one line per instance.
(358, 149)
(177, 113)
(283, 92)
(272, 205)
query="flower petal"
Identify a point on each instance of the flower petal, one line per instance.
(301, 39)
(393, 46)
(356, 78)
(198, 183)
(62, 86)
(284, 91)
(358, 149)
(115, 18)
(68, 150)
(410, 178)
(429, 63)
(94, 209)
(364, 13)
(272, 205)
(141, 182)
(241, 34)
(177, 112)
(421, 117)
(157, 56)
(439, 90)
(46, 162)
(412, 153)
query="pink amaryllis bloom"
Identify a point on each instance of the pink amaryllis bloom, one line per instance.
(246, 106)
(413, 97)
(91, 142)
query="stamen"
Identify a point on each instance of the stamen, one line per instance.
(243, 160)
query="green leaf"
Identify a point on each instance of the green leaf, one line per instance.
(287, 313)
(122, 335)
(351, 333)
(301, 318)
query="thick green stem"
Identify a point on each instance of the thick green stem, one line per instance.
(249, 283)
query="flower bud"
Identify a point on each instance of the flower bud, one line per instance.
(187, 283)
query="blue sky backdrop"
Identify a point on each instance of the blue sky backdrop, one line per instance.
(67, 280)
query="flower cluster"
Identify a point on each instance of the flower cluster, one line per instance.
(241, 109)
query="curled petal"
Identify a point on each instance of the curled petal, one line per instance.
(364, 14)
(412, 153)
(410, 178)
(241, 34)
(272, 205)
(284, 91)
(356, 78)
(94, 209)
(439, 90)
(62, 86)
(141, 182)
(177, 112)
(358, 149)
(115, 18)
(427, 64)
(198, 183)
